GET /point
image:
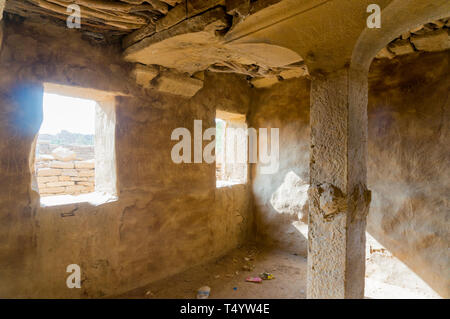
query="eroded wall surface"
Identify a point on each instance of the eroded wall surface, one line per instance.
(408, 156)
(168, 217)
(281, 207)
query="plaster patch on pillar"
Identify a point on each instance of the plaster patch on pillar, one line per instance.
(360, 199)
(327, 201)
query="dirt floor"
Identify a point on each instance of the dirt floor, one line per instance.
(386, 277)
(226, 277)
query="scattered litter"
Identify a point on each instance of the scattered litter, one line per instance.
(234, 288)
(203, 292)
(149, 293)
(254, 279)
(237, 272)
(266, 276)
(217, 276)
(247, 258)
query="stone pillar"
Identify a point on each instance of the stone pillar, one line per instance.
(2, 6)
(339, 200)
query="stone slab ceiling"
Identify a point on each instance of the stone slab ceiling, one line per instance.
(100, 17)
(190, 36)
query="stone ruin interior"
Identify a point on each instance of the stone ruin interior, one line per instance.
(356, 205)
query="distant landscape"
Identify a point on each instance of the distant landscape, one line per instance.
(67, 138)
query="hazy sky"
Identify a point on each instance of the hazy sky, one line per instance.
(68, 113)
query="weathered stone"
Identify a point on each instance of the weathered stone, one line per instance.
(173, 17)
(63, 154)
(49, 172)
(46, 179)
(261, 4)
(199, 75)
(69, 172)
(52, 190)
(212, 20)
(90, 184)
(60, 164)
(432, 41)
(85, 164)
(240, 7)
(171, 2)
(178, 84)
(60, 184)
(406, 35)
(337, 222)
(80, 179)
(195, 7)
(385, 53)
(64, 178)
(264, 82)
(401, 47)
(86, 172)
(294, 73)
(199, 29)
(45, 158)
(144, 74)
(138, 35)
(2, 7)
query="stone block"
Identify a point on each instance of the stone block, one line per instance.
(47, 179)
(85, 164)
(86, 172)
(385, 54)
(63, 154)
(195, 7)
(52, 190)
(143, 74)
(171, 2)
(49, 172)
(294, 73)
(178, 84)
(89, 184)
(60, 164)
(69, 172)
(264, 82)
(401, 47)
(79, 179)
(60, 184)
(432, 41)
(173, 17)
(64, 178)
(44, 158)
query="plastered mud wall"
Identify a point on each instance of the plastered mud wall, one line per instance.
(280, 200)
(408, 156)
(168, 217)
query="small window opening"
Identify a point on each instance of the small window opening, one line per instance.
(75, 155)
(231, 149)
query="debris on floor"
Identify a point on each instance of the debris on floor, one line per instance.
(266, 276)
(254, 279)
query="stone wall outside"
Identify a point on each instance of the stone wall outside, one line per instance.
(64, 177)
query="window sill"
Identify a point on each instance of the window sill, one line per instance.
(220, 184)
(94, 199)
